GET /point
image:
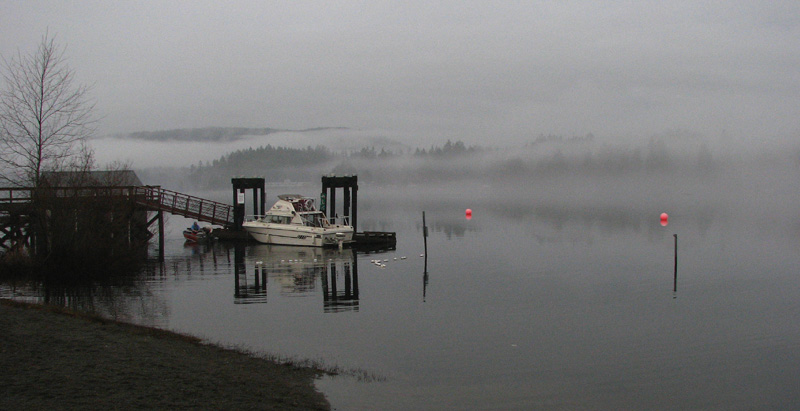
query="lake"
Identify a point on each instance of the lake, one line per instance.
(532, 303)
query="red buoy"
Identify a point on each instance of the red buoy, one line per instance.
(664, 219)
(468, 213)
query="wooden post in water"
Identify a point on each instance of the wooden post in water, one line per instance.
(675, 278)
(160, 235)
(425, 239)
(425, 272)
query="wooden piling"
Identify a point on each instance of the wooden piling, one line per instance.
(425, 270)
(425, 238)
(675, 278)
(160, 235)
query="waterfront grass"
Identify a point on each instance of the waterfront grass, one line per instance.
(55, 358)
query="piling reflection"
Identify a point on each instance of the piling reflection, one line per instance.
(250, 285)
(294, 271)
(342, 297)
(126, 299)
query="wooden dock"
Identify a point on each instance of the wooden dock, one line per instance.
(367, 240)
(17, 204)
(375, 240)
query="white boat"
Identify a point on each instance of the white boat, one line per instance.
(294, 220)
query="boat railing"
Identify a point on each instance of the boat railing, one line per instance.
(345, 220)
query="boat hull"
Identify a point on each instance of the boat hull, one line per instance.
(195, 236)
(284, 234)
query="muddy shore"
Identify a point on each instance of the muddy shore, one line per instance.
(51, 358)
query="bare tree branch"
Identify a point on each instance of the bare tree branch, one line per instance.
(45, 120)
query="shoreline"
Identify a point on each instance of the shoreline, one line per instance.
(55, 358)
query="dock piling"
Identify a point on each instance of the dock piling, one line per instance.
(328, 197)
(425, 247)
(675, 277)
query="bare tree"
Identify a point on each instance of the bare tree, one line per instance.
(45, 119)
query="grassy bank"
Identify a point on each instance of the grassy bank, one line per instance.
(54, 358)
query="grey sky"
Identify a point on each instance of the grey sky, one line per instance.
(483, 72)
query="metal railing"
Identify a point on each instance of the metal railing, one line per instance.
(153, 198)
(184, 205)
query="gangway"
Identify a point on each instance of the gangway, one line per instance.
(155, 198)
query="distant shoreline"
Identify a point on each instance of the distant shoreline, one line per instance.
(213, 134)
(54, 358)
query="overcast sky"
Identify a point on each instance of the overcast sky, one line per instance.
(488, 72)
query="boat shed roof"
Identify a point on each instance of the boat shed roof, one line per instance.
(92, 178)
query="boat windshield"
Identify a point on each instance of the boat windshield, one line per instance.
(278, 219)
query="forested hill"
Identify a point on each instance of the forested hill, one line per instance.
(307, 164)
(544, 159)
(212, 134)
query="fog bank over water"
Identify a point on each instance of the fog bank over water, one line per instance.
(170, 153)
(563, 180)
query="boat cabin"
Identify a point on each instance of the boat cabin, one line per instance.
(296, 210)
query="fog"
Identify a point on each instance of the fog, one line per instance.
(169, 153)
(560, 181)
(484, 73)
(687, 104)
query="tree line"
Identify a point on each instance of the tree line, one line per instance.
(306, 164)
(549, 156)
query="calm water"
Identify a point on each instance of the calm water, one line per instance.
(526, 305)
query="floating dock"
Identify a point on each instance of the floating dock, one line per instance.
(369, 240)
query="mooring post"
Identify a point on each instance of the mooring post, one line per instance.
(349, 185)
(346, 205)
(240, 187)
(354, 219)
(675, 278)
(332, 204)
(256, 202)
(425, 240)
(263, 199)
(425, 270)
(160, 235)
(238, 207)
(323, 197)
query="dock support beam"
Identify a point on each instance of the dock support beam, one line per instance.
(160, 235)
(328, 202)
(240, 185)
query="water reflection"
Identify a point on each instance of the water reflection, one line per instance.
(344, 297)
(127, 299)
(552, 222)
(449, 226)
(558, 222)
(248, 289)
(293, 271)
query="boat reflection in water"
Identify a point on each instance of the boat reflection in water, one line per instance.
(297, 271)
